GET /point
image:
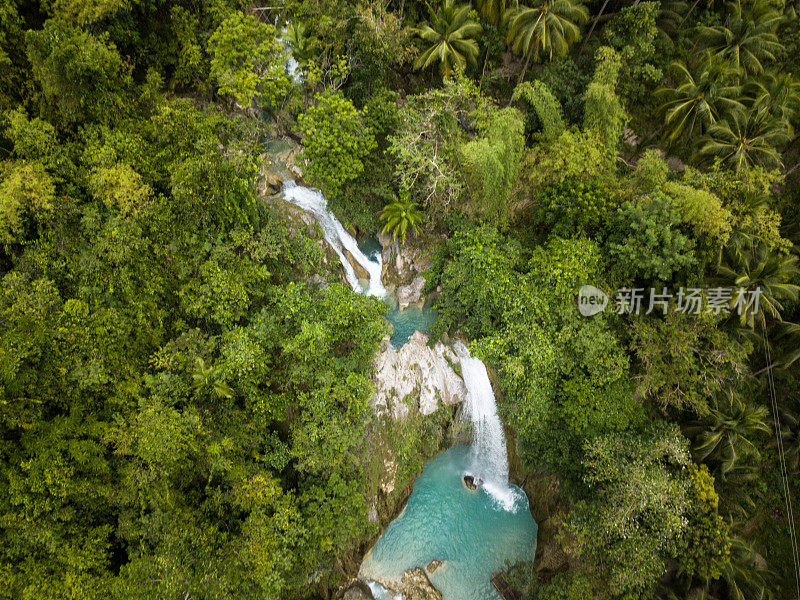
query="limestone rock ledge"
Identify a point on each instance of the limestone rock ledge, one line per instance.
(414, 585)
(416, 377)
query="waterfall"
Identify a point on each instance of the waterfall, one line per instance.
(489, 457)
(336, 235)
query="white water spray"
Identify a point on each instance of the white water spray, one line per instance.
(336, 235)
(489, 457)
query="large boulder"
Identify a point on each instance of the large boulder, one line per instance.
(409, 294)
(360, 271)
(416, 377)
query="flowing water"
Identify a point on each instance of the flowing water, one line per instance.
(464, 529)
(473, 532)
(336, 235)
(489, 462)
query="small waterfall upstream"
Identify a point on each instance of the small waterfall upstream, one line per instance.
(336, 235)
(488, 451)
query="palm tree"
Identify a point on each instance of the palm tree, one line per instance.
(451, 36)
(746, 39)
(493, 10)
(303, 45)
(751, 265)
(777, 94)
(745, 572)
(790, 435)
(703, 96)
(400, 216)
(725, 438)
(544, 28)
(745, 139)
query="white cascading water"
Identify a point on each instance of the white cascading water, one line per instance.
(489, 456)
(336, 235)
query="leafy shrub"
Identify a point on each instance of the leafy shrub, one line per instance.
(645, 242)
(574, 206)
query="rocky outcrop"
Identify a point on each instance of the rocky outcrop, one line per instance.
(409, 294)
(402, 263)
(414, 585)
(416, 377)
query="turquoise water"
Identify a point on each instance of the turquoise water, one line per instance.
(465, 530)
(405, 320)
(408, 320)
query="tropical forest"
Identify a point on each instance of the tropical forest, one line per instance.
(399, 299)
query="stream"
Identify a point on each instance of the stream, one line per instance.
(472, 532)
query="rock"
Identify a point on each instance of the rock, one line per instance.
(415, 585)
(408, 294)
(358, 590)
(385, 240)
(272, 184)
(292, 167)
(433, 565)
(415, 377)
(401, 264)
(472, 483)
(360, 271)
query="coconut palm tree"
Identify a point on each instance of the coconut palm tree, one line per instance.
(745, 139)
(776, 93)
(747, 39)
(745, 572)
(703, 96)
(451, 36)
(400, 216)
(750, 265)
(725, 439)
(544, 28)
(493, 10)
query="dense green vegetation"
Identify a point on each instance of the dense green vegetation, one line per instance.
(184, 411)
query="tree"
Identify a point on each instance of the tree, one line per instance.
(645, 242)
(450, 36)
(728, 437)
(703, 95)
(750, 265)
(432, 127)
(82, 77)
(336, 141)
(248, 61)
(26, 195)
(491, 163)
(544, 28)
(400, 216)
(302, 43)
(685, 360)
(634, 516)
(603, 110)
(745, 139)
(747, 39)
(547, 107)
